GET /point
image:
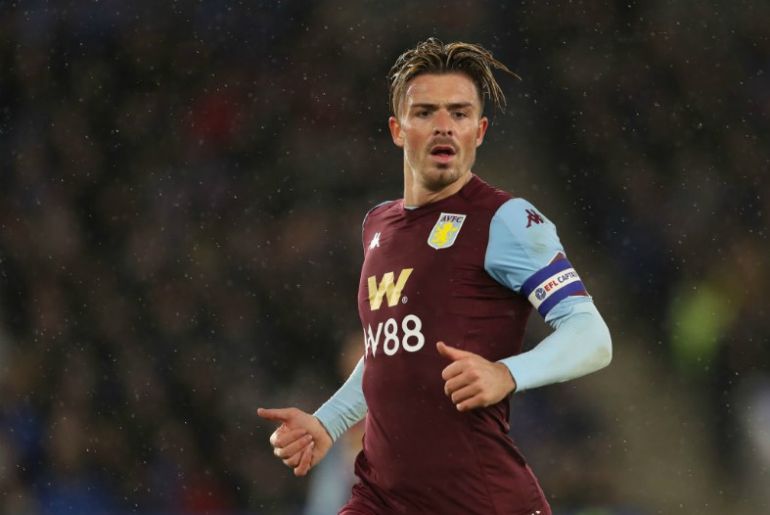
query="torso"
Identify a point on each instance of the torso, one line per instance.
(424, 270)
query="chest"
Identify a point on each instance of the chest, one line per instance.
(434, 261)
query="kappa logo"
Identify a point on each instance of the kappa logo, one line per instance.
(444, 233)
(533, 217)
(375, 241)
(387, 289)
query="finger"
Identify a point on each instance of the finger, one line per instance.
(477, 401)
(293, 448)
(451, 352)
(276, 414)
(287, 436)
(293, 461)
(274, 437)
(452, 370)
(304, 463)
(466, 393)
(456, 383)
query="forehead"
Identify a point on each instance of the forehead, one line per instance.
(445, 88)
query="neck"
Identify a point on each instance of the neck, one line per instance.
(416, 195)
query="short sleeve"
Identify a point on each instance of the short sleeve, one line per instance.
(524, 254)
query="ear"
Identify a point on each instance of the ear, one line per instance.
(481, 130)
(395, 131)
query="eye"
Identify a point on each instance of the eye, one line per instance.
(460, 114)
(423, 113)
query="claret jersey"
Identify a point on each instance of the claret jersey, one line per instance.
(466, 270)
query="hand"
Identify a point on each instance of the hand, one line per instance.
(300, 441)
(472, 381)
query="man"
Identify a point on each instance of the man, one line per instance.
(450, 275)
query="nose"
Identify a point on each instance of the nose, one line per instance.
(442, 124)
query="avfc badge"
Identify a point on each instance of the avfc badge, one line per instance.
(445, 231)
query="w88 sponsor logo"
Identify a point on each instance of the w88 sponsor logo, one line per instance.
(391, 336)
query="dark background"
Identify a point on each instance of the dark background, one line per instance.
(181, 190)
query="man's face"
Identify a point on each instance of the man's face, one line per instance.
(439, 127)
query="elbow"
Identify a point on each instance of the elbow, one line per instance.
(604, 353)
(604, 348)
(599, 345)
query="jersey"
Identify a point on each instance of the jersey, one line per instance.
(424, 279)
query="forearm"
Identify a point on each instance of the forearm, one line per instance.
(579, 345)
(346, 407)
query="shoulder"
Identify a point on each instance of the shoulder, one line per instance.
(375, 217)
(380, 209)
(483, 196)
(522, 219)
(521, 238)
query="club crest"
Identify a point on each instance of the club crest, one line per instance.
(445, 231)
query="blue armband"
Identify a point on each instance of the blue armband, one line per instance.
(552, 284)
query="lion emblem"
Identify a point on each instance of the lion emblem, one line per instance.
(442, 234)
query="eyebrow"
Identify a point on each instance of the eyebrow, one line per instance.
(454, 105)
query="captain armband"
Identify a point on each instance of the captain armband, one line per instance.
(552, 284)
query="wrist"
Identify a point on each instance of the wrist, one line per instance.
(509, 380)
(325, 430)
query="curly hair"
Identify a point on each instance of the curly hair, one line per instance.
(433, 56)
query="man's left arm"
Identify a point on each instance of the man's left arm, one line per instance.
(525, 255)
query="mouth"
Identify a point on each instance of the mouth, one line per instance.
(442, 153)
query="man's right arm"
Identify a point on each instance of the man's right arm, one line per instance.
(346, 407)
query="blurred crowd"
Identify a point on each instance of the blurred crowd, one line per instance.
(181, 189)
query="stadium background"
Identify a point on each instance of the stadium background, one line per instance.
(181, 188)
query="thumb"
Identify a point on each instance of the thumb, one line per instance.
(451, 352)
(275, 414)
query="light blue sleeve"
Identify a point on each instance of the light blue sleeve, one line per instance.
(524, 251)
(521, 242)
(346, 407)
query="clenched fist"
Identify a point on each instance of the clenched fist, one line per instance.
(472, 381)
(300, 441)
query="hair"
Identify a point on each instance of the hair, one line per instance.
(433, 56)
